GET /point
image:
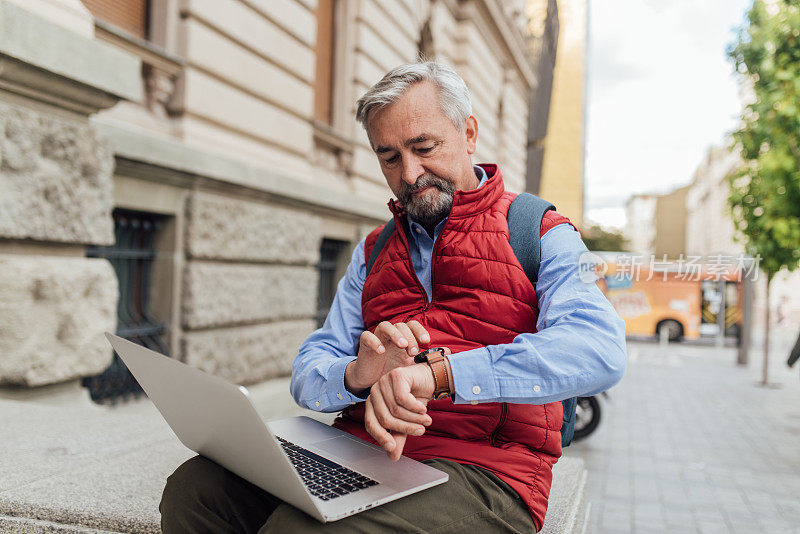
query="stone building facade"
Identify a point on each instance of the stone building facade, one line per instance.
(215, 141)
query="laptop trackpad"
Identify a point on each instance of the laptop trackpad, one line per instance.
(347, 449)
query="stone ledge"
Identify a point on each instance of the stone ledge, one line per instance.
(568, 510)
(95, 470)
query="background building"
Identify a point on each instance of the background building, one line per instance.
(640, 228)
(710, 231)
(709, 228)
(670, 230)
(562, 180)
(190, 173)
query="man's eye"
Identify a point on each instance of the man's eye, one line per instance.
(392, 159)
(424, 149)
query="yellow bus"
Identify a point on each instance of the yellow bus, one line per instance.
(680, 297)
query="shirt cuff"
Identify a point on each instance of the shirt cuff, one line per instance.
(337, 392)
(473, 376)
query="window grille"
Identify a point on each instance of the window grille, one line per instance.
(132, 257)
(328, 266)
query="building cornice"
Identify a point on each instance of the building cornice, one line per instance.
(164, 160)
(47, 62)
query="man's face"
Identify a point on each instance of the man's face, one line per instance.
(423, 156)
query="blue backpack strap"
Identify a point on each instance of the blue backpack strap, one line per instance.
(383, 237)
(524, 224)
(524, 221)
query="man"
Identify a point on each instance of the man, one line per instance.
(447, 277)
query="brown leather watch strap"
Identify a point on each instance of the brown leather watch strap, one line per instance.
(442, 375)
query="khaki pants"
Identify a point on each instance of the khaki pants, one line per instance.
(202, 497)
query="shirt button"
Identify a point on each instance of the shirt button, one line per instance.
(476, 389)
(317, 404)
(340, 396)
(473, 402)
(536, 389)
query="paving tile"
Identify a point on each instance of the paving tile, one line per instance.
(685, 430)
(712, 527)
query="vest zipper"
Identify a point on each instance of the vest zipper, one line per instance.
(414, 272)
(433, 263)
(502, 421)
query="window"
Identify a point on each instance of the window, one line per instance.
(132, 257)
(323, 84)
(127, 15)
(330, 267)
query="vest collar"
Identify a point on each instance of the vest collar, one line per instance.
(472, 202)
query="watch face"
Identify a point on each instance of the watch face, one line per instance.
(422, 357)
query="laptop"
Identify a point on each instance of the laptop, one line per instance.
(324, 471)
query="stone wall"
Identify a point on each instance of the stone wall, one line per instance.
(219, 294)
(53, 312)
(55, 175)
(55, 178)
(247, 354)
(231, 229)
(250, 285)
(256, 180)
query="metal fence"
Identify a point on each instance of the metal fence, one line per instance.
(132, 257)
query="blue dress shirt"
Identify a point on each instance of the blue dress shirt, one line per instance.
(579, 348)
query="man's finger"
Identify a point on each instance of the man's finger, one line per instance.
(419, 332)
(399, 444)
(371, 341)
(401, 391)
(385, 417)
(400, 412)
(375, 429)
(386, 331)
(413, 348)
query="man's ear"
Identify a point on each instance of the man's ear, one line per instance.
(471, 132)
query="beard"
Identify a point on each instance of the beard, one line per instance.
(430, 207)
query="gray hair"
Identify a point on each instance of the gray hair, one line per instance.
(453, 93)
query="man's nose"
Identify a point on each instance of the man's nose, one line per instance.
(412, 170)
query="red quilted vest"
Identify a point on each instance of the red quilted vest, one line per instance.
(481, 296)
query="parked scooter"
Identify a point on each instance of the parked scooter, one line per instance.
(587, 416)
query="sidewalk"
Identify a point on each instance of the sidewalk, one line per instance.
(689, 442)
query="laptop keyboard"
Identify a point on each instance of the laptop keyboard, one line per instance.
(323, 478)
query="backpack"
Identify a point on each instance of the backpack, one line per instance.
(526, 212)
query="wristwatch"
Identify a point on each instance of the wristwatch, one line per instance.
(440, 368)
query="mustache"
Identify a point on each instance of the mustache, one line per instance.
(426, 180)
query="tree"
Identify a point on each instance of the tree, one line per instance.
(598, 238)
(765, 192)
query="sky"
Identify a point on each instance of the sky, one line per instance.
(660, 92)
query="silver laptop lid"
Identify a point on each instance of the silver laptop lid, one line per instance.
(216, 419)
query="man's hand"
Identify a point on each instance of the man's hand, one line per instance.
(397, 406)
(391, 346)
